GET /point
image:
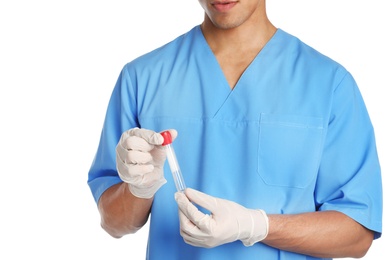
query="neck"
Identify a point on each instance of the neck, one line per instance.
(254, 33)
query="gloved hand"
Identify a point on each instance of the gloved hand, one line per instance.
(228, 221)
(140, 161)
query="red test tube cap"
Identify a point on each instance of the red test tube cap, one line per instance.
(167, 137)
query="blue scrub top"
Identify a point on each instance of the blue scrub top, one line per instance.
(293, 136)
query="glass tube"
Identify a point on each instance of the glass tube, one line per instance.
(172, 161)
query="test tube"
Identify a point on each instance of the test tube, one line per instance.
(172, 161)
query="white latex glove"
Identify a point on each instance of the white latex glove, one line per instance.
(228, 221)
(140, 161)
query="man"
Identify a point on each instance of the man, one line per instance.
(274, 142)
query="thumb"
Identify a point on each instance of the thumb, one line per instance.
(172, 132)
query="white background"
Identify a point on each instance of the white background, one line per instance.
(59, 61)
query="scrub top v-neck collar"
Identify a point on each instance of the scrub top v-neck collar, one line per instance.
(222, 90)
(216, 63)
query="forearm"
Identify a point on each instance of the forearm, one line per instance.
(121, 212)
(320, 234)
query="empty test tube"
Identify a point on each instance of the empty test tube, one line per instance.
(172, 161)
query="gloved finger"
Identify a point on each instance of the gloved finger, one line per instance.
(128, 172)
(202, 199)
(191, 233)
(147, 180)
(143, 180)
(185, 224)
(198, 218)
(134, 143)
(133, 157)
(130, 142)
(137, 144)
(149, 136)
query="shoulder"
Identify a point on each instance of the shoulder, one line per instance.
(310, 60)
(298, 48)
(166, 53)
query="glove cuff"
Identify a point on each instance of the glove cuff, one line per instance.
(260, 226)
(146, 192)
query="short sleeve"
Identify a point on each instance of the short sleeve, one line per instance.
(120, 116)
(349, 177)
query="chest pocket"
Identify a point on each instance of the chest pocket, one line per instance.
(289, 149)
